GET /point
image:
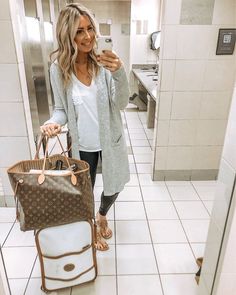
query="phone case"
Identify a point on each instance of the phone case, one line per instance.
(104, 43)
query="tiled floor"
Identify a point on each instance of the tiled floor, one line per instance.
(159, 230)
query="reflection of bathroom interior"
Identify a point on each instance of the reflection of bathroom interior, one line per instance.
(180, 127)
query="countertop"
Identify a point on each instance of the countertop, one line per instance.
(149, 79)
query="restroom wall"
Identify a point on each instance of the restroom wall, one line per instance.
(195, 89)
(16, 135)
(144, 21)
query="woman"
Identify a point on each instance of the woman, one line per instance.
(89, 97)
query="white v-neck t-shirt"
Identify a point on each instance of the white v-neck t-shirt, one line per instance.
(85, 102)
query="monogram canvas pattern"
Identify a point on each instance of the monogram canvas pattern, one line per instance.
(54, 202)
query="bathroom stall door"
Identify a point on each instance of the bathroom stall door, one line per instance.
(38, 42)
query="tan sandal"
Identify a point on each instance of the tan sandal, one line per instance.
(104, 229)
(101, 245)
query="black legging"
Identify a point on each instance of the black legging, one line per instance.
(92, 159)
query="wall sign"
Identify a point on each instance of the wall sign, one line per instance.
(226, 41)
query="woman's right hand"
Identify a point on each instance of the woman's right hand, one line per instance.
(51, 129)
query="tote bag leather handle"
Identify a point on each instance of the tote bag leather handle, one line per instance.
(41, 177)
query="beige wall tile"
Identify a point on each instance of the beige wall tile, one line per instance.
(5, 10)
(170, 42)
(13, 149)
(215, 105)
(210, 132)
(7, 48)
(224, 12)
(160, 158)
(6, 183)
(9, 83)
(179, 158)
(164, 105)
(189, 75)
(182, 132)
(167, 75)
(162, 132)
(186, 105)
(219, 75)
(12, 119)
(193, 42)
(206, 157)
(172, 11)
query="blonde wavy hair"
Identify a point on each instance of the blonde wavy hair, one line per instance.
(66, 53)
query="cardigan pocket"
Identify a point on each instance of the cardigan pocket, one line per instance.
(116, 141)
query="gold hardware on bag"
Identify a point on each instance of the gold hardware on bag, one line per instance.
(69, 267)
(21, 181)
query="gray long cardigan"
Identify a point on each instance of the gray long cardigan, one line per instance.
(112, 96)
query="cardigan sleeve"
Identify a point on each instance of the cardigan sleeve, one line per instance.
(119, 88)
(59, 115)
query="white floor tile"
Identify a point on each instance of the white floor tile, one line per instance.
(97, 193)
(7, 214)
(4, 231)
(102, 285)
(140, 143)
(206, 193)
(183, 284)
(175, 258)
(146, 180)
(131, 159)
(135, 259)
(191, 210)
(183, 193)
(196, 230)
(132, 232)
(35, 285)
(178, 183)
(209, 205)
(129, 211)
(160, 210)
(137, 131)
(130, 193)
(143, 158)
(155, 193)
(133, 180)
(17, 286)
(106, 261)
(138, 136)
(142, 150)
(167, 231)
(132, 168)
(19, 261)
(99, 181)
(36, 273)
(144, 168)
(17, 238)
(198, 249)
(139, 285)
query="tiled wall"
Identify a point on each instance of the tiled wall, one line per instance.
(195, 89)
(14, 117)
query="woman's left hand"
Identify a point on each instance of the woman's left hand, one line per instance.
(109, 60)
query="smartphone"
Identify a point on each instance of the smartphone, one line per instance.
(104, 43)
